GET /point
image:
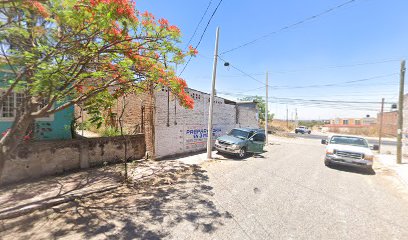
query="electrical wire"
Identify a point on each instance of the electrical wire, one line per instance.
(202, 35)
(199, 23)
(241, 71)
(290, 26)
(317, 67)
(334, 84)
(309, 100)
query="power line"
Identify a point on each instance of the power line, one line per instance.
(333, 84)
(310, 68)
(321, 67)
(239, 70)
(338, 66)
(199, 23)
(202, 35)
(319, 101)
(291, 26)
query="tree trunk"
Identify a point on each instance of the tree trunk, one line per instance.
(149, 127)
(13, 138)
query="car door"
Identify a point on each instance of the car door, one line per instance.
(256, 143)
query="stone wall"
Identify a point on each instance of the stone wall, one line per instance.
(38, 159)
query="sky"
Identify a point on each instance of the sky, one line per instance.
(328, 67)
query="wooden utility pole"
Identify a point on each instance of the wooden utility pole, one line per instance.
(266, 111)
(381, 125)
(210, 113)
(400, 112)
(296, 118)
(287, 116)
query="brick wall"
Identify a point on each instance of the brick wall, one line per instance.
(390, 123)
(38, 159)
(178, 130)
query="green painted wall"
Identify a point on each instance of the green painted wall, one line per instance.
(60, 128)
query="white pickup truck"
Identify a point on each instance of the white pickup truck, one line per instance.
(349, 151)
(302, 130)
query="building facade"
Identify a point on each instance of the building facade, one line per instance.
(178, 130)
(55, 126)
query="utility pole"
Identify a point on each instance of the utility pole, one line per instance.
(381, 125)
(400, 112)
(287, 116)
(296, 118)
(266, 111)
(210, 113)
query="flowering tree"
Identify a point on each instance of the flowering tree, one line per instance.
(58, 53)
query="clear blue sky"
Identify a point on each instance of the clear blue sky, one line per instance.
(329, 49)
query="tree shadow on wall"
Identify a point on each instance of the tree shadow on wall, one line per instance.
(176, 203)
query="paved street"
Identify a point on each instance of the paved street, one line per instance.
(287, 193)
(319, 136)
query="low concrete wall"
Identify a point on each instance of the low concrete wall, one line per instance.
(43, 158)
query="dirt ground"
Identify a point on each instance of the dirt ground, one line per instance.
(162, 197)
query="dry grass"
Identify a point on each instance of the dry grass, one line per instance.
(371, 131)
(281, 126)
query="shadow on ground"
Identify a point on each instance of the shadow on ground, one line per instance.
(174, 203)
(353, 169)
(40, 190)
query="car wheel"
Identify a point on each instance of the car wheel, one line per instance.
(327, 163)
(309, 132)
(242, 153)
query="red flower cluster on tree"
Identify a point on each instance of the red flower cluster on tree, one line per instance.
(123, 8)
(186, 100)
(146, 14)
(181, 82)
(174, 29)
(163, 22)
(192, 50)
(144, 57)
(39, 8)
(79, 88)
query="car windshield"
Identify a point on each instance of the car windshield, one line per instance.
(353, 141)
(239, 133)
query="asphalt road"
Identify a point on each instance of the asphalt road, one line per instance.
(316, 136)
(290, 194)
(287, 193)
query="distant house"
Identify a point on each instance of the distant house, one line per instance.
(55, 126)
(352, 122)
(352, 125)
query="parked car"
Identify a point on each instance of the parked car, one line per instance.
(349, 151)
(302, 130)
(240, 141)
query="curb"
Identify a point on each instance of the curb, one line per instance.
(402, 179)
(32, 207)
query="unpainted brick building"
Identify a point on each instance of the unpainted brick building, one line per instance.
(178, 130)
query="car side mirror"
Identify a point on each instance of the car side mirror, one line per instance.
(375, 147)
(324, 141)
